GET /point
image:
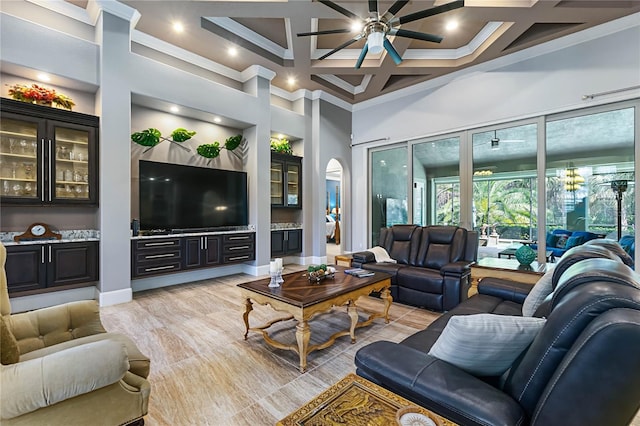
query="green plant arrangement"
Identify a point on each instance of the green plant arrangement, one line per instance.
(212, 150)
(281, 145)
(152, 137)
(36, 94)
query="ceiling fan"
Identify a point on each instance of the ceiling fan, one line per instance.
(495, 140)
(377, 27)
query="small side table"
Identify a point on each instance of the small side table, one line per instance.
(344, 260)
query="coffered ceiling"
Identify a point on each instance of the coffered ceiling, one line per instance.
(265, 33)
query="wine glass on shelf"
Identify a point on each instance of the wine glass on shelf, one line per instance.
(13, 144)
(28, 170)
(23, 146)
(28, 188)
(14, 169)
(34, 148)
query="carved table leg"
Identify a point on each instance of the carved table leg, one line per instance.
(248, 308)
(353, 314)
(386, 295)
(303, 334)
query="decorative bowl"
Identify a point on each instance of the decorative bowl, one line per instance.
(318, 276)
(416, 416)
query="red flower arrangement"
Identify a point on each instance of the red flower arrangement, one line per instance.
(40, 95)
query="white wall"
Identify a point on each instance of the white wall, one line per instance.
(544, 79)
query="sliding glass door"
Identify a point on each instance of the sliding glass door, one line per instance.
(389, 203)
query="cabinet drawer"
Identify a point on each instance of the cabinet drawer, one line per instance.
(151, 269)
(239, 257)
(240, 248)
(238, 239)
(161, 243)
(162, 256)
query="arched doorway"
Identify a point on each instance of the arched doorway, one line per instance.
(333, 205)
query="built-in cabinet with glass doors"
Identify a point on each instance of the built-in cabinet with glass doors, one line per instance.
(286, 181)
(47, 155)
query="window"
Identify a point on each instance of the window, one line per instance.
(389, 189)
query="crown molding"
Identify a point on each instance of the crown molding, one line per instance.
(256, 71)
(321, 94)
(290, 96)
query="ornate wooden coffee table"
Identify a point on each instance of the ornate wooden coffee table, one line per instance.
(357, 402)
(303, 299)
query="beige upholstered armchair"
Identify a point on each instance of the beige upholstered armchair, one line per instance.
(61, 367)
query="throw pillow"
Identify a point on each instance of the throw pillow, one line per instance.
(538, 294)
(485, 344)
(552, 240)
(562, 241)
(9, 353)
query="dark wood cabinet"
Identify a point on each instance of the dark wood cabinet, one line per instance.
(201, 252)
(36, 267)
(286, 181)
(156, 256)
(284, 242)
(48, 155)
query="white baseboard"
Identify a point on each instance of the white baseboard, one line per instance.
(44, 300)
(109, 298)
(159, 281)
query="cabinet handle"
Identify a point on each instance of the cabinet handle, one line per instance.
(42, 171)
(155, 256)
(158, 268)
(50, 171)
(206, 244)
(42, 253)
(239, 238)
(201, 243)
(239, 248)
(168, 243)
(239, 257)
(49, 249)
(286, 235)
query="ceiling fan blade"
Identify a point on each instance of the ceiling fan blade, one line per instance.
(340, 9)
(373, 6)
(416, 35)
(337, 31)
(392, 51)
(363, 53)
(431, 12)
(342, 46)
(395, 8)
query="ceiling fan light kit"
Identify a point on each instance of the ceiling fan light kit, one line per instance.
(378, 27)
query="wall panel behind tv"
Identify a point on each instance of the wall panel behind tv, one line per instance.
(144, 118)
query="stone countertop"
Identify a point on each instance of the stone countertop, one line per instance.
(70, 236)
(287, 225)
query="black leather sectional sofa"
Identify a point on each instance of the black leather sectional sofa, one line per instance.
(433, 264)
(582, 368)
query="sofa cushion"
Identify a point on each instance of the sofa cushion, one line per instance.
(9, 353)
(538, 294)
(423, 279)
(552, 239)
(574, 241)
(485, 344)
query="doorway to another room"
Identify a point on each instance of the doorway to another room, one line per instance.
(333, 216)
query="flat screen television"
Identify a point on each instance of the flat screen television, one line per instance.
(177, 197)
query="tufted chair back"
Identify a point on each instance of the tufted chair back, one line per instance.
(401, 242)
(441, 245)
(614, 247)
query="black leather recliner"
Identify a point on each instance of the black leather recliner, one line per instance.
(581, 369)
(433, 264)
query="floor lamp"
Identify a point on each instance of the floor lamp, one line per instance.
(619, 187)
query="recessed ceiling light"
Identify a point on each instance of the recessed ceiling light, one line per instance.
(217, 120)
(178, 27)
(280, 136)
(232, 51)
(451, 25)
(356, 26)
(43, 77)
(291, 81)
(174, 108)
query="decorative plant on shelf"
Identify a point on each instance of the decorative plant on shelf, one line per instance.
(212, 150)
(152, 137)
(281, 145)
(36, 94)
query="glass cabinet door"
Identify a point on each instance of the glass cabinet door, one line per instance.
(20, 158)
(293, 184)
(277, 188)
(70, 164)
